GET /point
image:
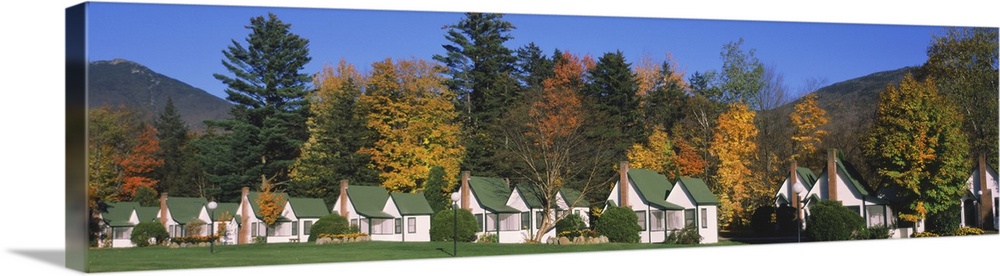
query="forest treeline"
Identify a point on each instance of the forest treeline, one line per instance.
(550, 120)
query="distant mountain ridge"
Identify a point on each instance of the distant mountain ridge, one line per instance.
(123, 82)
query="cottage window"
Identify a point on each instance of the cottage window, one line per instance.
(491, 222)
(122, 232)
(253, 229)
(354, 222)
(411, 225)
(689, 218)
(855, 208)
(306, 226)
(641, 216)
(675, 220)
(525, 220)
(876, 215)
(704, 217)
(656, 220)
(382, 226)
(479, 221)
(398, 224)
(509, 222)
(295, 228)
(538, 219)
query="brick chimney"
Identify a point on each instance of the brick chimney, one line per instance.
(831, 174)
(623, 185)
(986, 198)
(465, 190)
(163, 209)
(244, 236)
(343, 198)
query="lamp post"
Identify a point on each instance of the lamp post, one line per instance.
(979, 210)
(797, 188)
(211, 241)
(454, 239)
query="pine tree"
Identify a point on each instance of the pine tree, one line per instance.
(179, 171)
(612, 87)
(268, 90)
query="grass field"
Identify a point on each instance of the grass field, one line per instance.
(159, 258)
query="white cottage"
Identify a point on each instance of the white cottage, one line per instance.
(177, 212)
(487, 198)
(385, 216)
(645, 192)
(980, 200)
(701, 207)
(253, 227)
(840, 182)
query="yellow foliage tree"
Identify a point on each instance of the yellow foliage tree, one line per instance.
(413, 118)
(656, 154)
(271, 202)
(734, 144)
(807, 119)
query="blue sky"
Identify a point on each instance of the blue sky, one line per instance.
(185, 41)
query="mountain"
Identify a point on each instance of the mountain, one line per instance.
(122, 82)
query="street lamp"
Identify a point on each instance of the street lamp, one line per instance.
(211, 241)
(454, 239)
(797, 188)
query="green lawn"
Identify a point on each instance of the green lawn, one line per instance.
(157, 258)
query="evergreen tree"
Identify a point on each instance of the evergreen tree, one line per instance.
(612, 88)
(481, 71)
(179, 171)
(436, 191)
(533, 67)
(268, 90)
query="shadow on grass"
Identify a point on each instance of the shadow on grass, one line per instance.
(446, 252)
(53, 257)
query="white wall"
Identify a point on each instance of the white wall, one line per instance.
(637, 204)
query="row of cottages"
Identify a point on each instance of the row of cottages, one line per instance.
(515, 213)
(981, 200)
(385, 216)
(663, 207)
(839, 181)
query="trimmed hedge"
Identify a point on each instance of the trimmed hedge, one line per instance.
(619, 224)
(332, 224)
(831, 221)
(144, 231)
(443, 226)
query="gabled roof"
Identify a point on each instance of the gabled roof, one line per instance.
(492, 194)
(184, 209)
(530, 194)
(308, 207)
(147, 213)
(119, 213)
(974, 174)
(368, 201)
(411, 204)
(855, 180)
(226, 207)
(808, 175)
(571, 195)
(699, 191)
(252, 198)
(653, 188)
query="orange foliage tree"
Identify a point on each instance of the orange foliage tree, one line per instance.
(139, 163)
(271, 202)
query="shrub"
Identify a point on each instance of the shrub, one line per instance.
(785, 219)
(684, 236)
(260, 240)
(193, 227)
(924, 234)
(877, 232)
(488, 238)
(443, 226)
(144, 231)
(762, 221)
(967, 231)
(619, 224)
(945, 222)
(192, 239)
(587, 233)
(332, 224)
(831, 221)
(571, 222)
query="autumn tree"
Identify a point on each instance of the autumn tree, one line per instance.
(481, 71)
(917, 148)
(734, 144)
(413, 120)
(268, 91)
(686, 159)
(655, 154)
(807, 119)
(963, 63)
(270, 201)
(662, 91)
(336, 134)
(138, 165)
(111, 135)
(546, 134)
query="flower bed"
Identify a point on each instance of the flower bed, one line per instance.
(342, 238)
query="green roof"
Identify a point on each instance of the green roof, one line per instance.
(699, 191)
(808, 176)
(571, 195)
(411, 204)
(308, 207)
(853, 177)
(653, 188)
(119, 213)
(147, 213)
(368, 201)
(184, 209)
(530, 195)
(226, 207)
(492, 194)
